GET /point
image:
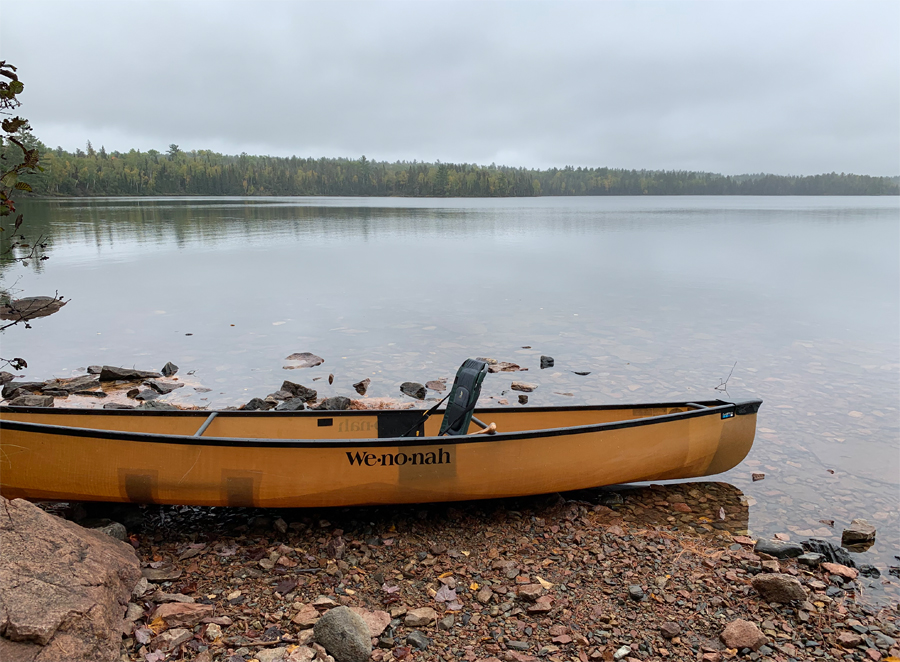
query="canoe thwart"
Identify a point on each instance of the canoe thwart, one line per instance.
(209, 419)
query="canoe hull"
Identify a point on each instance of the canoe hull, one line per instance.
(60, 462)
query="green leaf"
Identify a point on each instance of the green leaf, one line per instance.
(13, 124)
(23, 186)
(16, 87)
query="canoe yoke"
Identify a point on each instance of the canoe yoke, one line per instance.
(463, 396)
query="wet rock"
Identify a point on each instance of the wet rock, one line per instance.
(32, 401)
(344, 634)
(547, 362)
(362, 386)
(830, 551)
(438, 385)
(859, 531)
(523, 399)
(73, 384)
(868, 570)
(523, 386)
(306, 360)
(116, 405)
(6, 377)
(62, 587)
(56, 393)
(778, 548)
(669, 630)
(335, 403)
(413, 390)
(258, 404)
(757, 476)
(156, 405)
(146, 395)
(810, 559)
(778, 587)
(169, 369)
(111, 373)
(294, 404)
(421, 617)
(163, 387)
(91, 394)
(418, 640)
(299, 391)
(15, 389)
(840, 570)
(742, 634)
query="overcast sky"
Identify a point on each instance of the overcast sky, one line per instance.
(733, 87)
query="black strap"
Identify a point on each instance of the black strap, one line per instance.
(426, 415)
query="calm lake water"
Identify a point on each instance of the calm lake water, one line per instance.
(658, 298)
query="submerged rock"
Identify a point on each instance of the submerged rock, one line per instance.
(306, 359)
(547, 362)
(523, 386)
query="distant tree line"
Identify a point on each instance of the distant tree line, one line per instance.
(92, 172)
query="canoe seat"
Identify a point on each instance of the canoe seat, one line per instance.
(463, 396)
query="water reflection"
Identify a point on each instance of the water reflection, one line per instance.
(655, 298)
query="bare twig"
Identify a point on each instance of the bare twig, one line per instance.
(723, 385)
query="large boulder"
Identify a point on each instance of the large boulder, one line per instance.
(63, 589)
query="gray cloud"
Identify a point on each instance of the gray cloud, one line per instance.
(785, 87)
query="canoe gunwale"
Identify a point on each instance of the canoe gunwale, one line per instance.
(737, 408)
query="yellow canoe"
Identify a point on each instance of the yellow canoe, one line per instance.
(343, 458)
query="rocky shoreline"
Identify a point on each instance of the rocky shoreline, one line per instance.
(655, 573)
